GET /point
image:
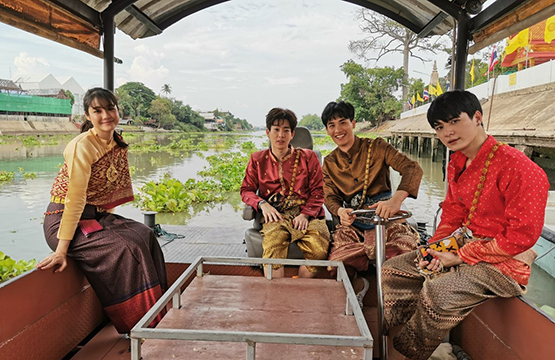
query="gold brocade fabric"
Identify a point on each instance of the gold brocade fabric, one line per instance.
(313, 242)
(100, 191)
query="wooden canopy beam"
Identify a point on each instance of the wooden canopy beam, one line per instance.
(43, 18)
(525, 16)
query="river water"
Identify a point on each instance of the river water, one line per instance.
(23, 201)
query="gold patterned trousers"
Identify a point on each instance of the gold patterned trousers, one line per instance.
(313, 242)
(356, 247)
(429, 307)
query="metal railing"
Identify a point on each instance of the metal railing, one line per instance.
(251, 338)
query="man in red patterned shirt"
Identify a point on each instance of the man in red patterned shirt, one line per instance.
(285, 184)
(497, 197)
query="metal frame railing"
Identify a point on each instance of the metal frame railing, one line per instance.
(251, 338)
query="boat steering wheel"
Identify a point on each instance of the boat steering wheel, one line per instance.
(371, 216)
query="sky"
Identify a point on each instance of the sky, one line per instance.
(242, 56)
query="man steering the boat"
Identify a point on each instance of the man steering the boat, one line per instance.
(357, 176)
(494, 209)
(285, 184)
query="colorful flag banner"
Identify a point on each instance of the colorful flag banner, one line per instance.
(413, 99)
(409, 104)
(439, 91)
(472, 72)
(426, 95)
(419, 98)
(520, 40)
(432, 90)
(549, 33)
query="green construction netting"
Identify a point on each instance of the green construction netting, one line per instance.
(34, 104)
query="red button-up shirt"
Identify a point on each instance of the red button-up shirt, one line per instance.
(511, 208)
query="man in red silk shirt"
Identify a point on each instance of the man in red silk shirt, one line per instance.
(285, 184)
(504, 213)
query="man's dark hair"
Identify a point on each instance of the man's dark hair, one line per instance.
(334, 110)
(280, 115)
(451, 104)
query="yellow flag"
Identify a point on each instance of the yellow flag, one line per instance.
(413, 99)
(439, 91)
(419, 98)
(520, 40)
(432, 90)
(472, 72)
(549, 34)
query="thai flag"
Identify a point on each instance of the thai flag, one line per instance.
(494, 60)
(426, 95)
(409, 104)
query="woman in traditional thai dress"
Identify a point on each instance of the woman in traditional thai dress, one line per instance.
(120, 257)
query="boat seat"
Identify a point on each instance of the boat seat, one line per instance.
(253, 238)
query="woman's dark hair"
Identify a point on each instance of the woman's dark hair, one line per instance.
(105, 98)
(341, 109)
(280, 115)
(451, 104)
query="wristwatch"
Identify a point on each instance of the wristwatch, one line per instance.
(261, 202)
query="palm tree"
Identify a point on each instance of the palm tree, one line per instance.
(166, 89)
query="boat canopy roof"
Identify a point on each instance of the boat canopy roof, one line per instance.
(79, 24)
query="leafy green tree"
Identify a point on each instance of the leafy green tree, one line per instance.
(166, 89)
(371, 90)
(125, 103)
(312, 122)
(69, 94)
(160, 109)
(140, 97)
(184, 114)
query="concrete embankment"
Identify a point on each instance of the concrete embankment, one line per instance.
(17, 127)
(523, 118)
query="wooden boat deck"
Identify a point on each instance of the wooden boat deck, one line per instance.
(256, 304)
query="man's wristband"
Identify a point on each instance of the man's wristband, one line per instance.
(260, 203)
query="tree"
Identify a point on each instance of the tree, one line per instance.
(166, 89)
(387, 36)
(140, 97)
(160, 109)
(312, 122)
(69, 94)
(371, 91)
(186, 115)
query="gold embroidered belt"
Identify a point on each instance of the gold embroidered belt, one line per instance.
(57, 199)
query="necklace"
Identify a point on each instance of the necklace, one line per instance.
(112, 173)
(366, 171)
(480, 185)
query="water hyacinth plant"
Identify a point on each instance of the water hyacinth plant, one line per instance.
(10, 268)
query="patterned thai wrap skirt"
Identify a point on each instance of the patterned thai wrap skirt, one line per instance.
(123, 262)
(356, 248)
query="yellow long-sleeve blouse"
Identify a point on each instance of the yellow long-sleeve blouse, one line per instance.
(83, 179)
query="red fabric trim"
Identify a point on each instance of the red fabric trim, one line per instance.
(126, 314)
(118, 202)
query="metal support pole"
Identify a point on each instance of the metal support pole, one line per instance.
(135, 349)
(251, 350)
(380, 259)
(462, 52)
(108, 46)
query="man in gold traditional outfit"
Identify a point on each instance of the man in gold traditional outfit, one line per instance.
(285, 184)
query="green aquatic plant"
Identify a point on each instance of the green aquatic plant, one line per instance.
(227, 168)
(220, 179)
(172, 195)
(6, 176)
(29, 176)
(10, 268)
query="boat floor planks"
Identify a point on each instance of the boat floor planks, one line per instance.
(239, 303)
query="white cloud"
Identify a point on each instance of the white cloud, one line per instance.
(26, 64)
(283, 81)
